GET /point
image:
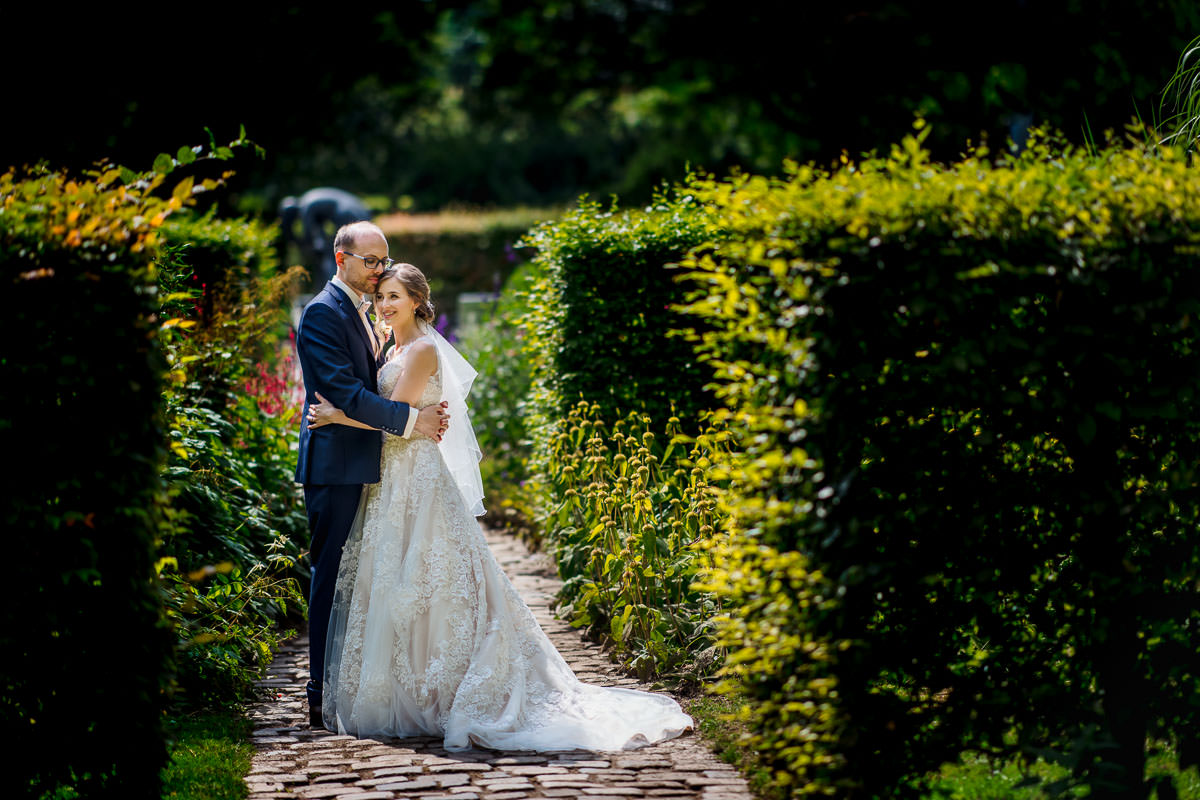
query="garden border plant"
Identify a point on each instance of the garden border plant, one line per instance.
(231, 552)
(604, 368)
(117, 345)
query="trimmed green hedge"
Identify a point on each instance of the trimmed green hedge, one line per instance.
(106, 400)
(960, 498)
(963, 512)
(87, 654)
(600, 313)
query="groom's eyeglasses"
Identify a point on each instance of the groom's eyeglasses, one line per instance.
(371, 262)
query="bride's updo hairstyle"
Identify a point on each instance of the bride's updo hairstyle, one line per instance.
(413, 280)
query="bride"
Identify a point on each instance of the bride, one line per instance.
(427, 635)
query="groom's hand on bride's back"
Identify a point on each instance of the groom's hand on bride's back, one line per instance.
(433, 420)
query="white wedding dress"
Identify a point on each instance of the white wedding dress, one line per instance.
(429, 638)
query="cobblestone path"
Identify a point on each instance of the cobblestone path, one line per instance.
(292, 761)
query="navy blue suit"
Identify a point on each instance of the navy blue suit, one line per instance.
(337, 358)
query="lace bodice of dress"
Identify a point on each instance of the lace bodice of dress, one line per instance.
(389, 373)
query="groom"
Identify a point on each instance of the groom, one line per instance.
(339, 355)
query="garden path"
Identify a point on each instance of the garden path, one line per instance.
(292, 761)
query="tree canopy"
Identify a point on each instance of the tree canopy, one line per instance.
(498, 101)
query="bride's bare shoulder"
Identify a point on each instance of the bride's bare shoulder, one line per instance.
(421, 356)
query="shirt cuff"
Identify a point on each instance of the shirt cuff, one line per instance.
(412, 421)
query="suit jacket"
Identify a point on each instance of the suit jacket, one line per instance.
(337, 359)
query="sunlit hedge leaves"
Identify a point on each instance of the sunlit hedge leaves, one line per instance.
(963, 509)
(601, 309)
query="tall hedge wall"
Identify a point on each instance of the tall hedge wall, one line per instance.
(87, 636)
(602, 309)
(964, 509)
(86, 654)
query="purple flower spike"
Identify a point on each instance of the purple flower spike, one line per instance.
(442, 325)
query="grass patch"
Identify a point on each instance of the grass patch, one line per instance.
(977, 778)
(209, 758)
(724, 735)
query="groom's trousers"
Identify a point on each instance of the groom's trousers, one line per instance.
(331, 509)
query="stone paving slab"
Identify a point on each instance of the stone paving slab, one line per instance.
(292, 761)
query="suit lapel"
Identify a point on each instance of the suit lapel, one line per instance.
(352, 319)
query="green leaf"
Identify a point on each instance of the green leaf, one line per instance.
(163, 164)
(184, 189)
(1087, 428)
(185, 155)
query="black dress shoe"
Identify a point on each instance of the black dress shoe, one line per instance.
(313, 690)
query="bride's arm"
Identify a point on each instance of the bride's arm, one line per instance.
(324, 412)
(420, 362)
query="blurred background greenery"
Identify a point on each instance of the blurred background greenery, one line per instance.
(420, 105)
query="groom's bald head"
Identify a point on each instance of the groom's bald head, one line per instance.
(349, 236)
(354, 244)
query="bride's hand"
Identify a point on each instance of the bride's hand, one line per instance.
(433, 421)
(323, 413)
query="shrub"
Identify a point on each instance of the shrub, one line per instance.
(600, 312)
(217, 262)
(962, 511)
(626, 533)
(238, 524)
(87, 651)
(97, 300)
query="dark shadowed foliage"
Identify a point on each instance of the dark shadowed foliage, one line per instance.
(86, 650)
(502, 102)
